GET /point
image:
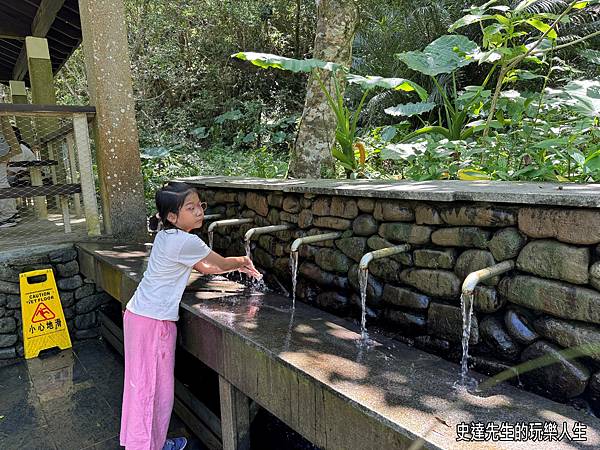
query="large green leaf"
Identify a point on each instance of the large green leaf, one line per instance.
(592, 56)
(154, 152)
(347, 162)
(398, 84)
(592, 162)
(468, 20)
(444, 55)
(543, 27)
(233, 115)
(267, 60)
(409, 109)
(586, 96)
(200, 132)
(402, 151)
(522, 74)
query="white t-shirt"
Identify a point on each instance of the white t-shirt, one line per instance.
(172, 258)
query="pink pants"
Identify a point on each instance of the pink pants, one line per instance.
(149, 387)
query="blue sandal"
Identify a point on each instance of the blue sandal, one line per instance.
(175, 444)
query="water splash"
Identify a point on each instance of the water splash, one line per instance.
(294, 267)
(211, 235)
(248, 249)
(363, 277)
(466, 304)
(258, 285)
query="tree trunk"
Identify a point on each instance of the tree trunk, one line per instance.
(311, 155)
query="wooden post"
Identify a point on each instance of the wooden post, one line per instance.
(64, 202)
(74, 175)
(235, 417)
(88, 190)
(18, 95)
(39, 202)
(42, 83)
(53, 175)
(115, 127)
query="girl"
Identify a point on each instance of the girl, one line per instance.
(9, 147)
(149, 320)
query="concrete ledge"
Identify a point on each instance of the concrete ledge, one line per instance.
(565, 194)
(305, 368)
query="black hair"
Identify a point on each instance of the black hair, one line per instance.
(170, 199)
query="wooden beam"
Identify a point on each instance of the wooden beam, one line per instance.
(42, 22)
(46, 14)
(20, 69)
(35, 191)
(8, 109)
(206, 416)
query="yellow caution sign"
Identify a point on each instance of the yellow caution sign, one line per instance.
(44, 324)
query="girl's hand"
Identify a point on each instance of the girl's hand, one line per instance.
(248, 268)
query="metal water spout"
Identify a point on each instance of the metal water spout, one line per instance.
(474, 278)
(294, 255)
(224, 223)
(381, 253)
(266, 230)
(363, 278)
(263, 230)
(466, 303)
(314, 238)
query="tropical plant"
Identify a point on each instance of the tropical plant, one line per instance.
(507, 40)
(445, 55)
(348, 154)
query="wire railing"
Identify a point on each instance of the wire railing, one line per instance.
(47, 182)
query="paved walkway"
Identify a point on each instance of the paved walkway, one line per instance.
(67, 400)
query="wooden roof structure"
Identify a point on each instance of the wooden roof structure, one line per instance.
(56, 20)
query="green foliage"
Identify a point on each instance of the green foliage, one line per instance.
(269, 61)
(444, 55)
(201, 112)
(410, 109)
(346, 120)
(182, 161)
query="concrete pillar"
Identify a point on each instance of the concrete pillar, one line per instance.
(40, 71)
(41, 80)
(109, 81)
(18, 95)
(235, 417)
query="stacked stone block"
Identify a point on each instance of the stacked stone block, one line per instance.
(551, 301)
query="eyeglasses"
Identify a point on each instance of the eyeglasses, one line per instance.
(192, 208)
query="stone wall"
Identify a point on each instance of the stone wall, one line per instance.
(80, 298)
(549, 302)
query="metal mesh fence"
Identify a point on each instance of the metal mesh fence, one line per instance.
(47, 186)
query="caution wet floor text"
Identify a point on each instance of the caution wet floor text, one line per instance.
(44, 324)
